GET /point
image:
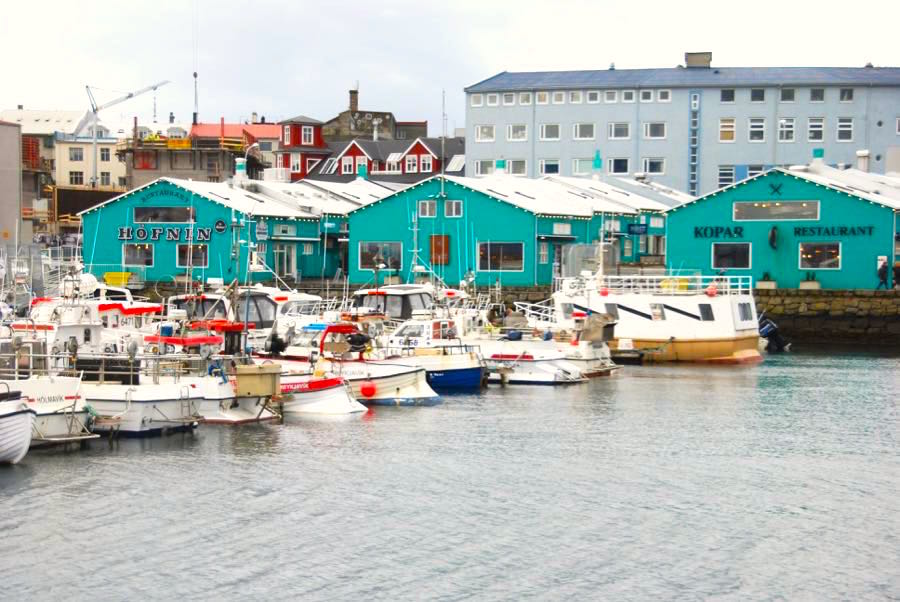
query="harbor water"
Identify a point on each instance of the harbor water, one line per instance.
(777, 481)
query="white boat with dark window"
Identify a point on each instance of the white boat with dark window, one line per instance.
(664, 317)
(61, 415)
(16, 423)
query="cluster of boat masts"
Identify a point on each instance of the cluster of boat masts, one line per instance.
(97, 360)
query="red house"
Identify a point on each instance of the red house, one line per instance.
(397, 160)
(302, 146)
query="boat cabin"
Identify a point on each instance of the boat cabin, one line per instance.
(396, 301)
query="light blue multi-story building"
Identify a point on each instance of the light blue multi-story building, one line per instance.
(695, 128)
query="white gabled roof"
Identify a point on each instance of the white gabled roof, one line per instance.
(243, 201)
(359, 190)
(542, 197)
(43, 123)
(876, 188)
(635, 199)
(303, 196)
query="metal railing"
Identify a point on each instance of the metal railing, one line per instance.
(677, 285)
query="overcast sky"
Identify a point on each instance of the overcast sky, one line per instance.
(301, 57)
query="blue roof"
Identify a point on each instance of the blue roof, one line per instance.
(681, 77)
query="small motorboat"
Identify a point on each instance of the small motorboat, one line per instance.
(16, 422)
(312, 394)
(770, 337)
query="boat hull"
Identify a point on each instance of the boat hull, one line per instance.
(16, 423)
(738, 350)
(60, 413)
(445, 370)
(152, 410)
(460, 378)
(304, 395)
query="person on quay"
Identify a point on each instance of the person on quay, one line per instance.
(897, 275)
(883, 276)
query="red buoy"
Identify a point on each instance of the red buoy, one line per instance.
(368, 389)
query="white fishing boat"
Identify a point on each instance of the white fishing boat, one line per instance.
(16, 422)
(338, 349)
(689, 318)
(309, 394)
(60, 412)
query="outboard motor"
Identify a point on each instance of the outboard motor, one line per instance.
(768, 330)
(358, 341)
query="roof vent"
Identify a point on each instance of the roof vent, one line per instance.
(701, 60)
(870, 66)
(612, 66)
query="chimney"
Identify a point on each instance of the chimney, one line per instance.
(862, 160)
(354, 101)
(262, 119)
(701, 60)
(21, 107)
(171, 117)
(254, 118)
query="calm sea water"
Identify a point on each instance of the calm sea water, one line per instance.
(780, 481)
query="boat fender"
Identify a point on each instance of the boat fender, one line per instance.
(712, 290)
(548, 335)
(368, 389)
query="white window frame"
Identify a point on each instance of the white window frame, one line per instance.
(575, 97)
(657, 222)
(783, 131)
(426, 165)
(498, 242)
(104, 155)
(611, 162)
(347, 166)
(816, 101)
(476, 100)
(411, 164)
(194, 265)
(558, 97)
(307, 129)
(543, 252)
(649, 96)
(542, 166)
(308, 249)
(838, 130)
(750, 130)
(104, 175)
(562, 228)
(659, 96)
(141, 265)
(576, 134)
(733, 96)
(453, 203)
(575, 169)
(525, 98)
(611, 130)
(756, 169)
(537, 98)
(587, 97)
(286, 135)
(712, 254)
(645, 165)
(428, 208)
(314, 162)
(647, 126)
(493, 99)
(71, 178)
(632, 93)
(817, 204)
(295, 162)
(359, 244)
(841, 95)
(512, 99)
(820, 129)
(719, 184)
(610, 96)
(480, 162)
(509, 132)
(756, 102)
(781, 92)
(820, 242)
(723, 127)
(509, 164)
(544, 131)
(478, 133)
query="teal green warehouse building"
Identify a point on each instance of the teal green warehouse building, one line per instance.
(498, 229)
(810, 226)
(171, 229)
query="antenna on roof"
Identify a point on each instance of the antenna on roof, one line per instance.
(443, 136)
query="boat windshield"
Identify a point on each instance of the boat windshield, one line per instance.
(196, 309)
(298, 308)
(411, 331)
(261, 310)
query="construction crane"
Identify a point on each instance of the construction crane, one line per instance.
(93, 118)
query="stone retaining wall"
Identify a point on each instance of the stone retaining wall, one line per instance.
(834, 316)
